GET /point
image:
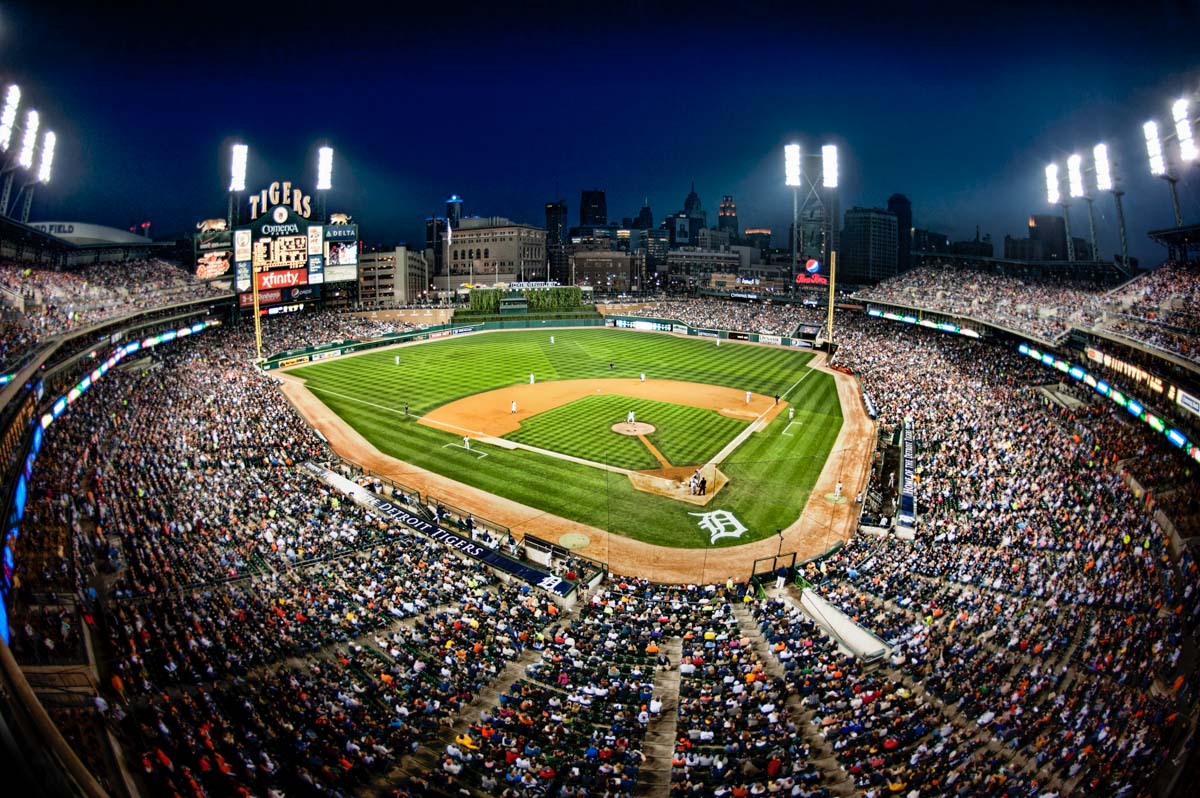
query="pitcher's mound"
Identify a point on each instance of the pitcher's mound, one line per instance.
(636, 428)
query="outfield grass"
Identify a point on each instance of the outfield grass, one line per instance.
(771, 474)
(583, 428)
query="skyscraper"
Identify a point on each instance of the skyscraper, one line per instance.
(454, 210)
(696, 215)
(1052, 232)
(899, 205)
(869, 248)
(556, 239)
(727, 219)
(645, 219)
(593, 208)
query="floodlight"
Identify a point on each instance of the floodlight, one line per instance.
(29, 141)
(8, 117)
(829, 165)
(1075, 175)
(1158, 166)
(1052, 195)
(1103, 168)
(791, 165)
(1183, 130)
(48, 141)
(324, 168)
(238, 168)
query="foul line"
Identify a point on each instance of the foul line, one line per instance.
(730, 447)
(394, 410)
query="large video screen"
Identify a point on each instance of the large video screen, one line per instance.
(214, 254)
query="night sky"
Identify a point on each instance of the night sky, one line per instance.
(957, 107)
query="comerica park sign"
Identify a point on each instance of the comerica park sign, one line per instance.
(281, 192)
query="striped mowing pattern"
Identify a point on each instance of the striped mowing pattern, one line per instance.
(432, 374)
(771, 474)
(583, 428)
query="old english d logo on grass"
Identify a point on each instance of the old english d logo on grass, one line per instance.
(720, 524)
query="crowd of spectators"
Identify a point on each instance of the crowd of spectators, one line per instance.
(46, 302)
(1032, 556)
(755, 317)
(1043, 307)
(313, 328)
(261, 634)
(1157, 309)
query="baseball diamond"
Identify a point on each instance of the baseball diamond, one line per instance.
(557, 453)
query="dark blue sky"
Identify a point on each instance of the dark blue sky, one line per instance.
(957, 106)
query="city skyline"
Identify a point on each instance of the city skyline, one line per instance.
(504, 110)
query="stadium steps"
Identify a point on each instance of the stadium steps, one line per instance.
(837, 780)
(658, 746)
(428, 755)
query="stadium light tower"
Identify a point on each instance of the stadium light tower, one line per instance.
(1105, 182)
(829, 179)
(1054, 197)
(8, 123)
(8, 117)
(324, 179)
(1078, 189)
(791, 178)
(237, 179)
(1183, 130)
(42, 175)
(1158, 166)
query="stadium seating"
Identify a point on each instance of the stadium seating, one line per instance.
(261, 635)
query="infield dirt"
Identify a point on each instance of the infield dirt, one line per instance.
(822, 524)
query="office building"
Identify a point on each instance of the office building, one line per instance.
(869, 250)
(593, 208)
(697, 217)
(929, 241)
(495, 249)
(727, 218)
(645, 219)
(454, 210)
(979, 247)
(556, 239)
(691, 266)
(655, 243)
(758, 237)
(1051, 231)
(900, 205)
(607, 272)
(392, 278)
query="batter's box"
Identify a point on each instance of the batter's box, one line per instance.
(478, 455)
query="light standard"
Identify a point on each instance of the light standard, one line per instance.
(1054, 197)
(1158, 167)
(324, 180)
(1076, 189)
(1105, 182)
(791, 172)
(829, 179)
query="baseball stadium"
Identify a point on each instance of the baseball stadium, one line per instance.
(288, 515)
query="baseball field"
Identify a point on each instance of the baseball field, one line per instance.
(561, 444)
